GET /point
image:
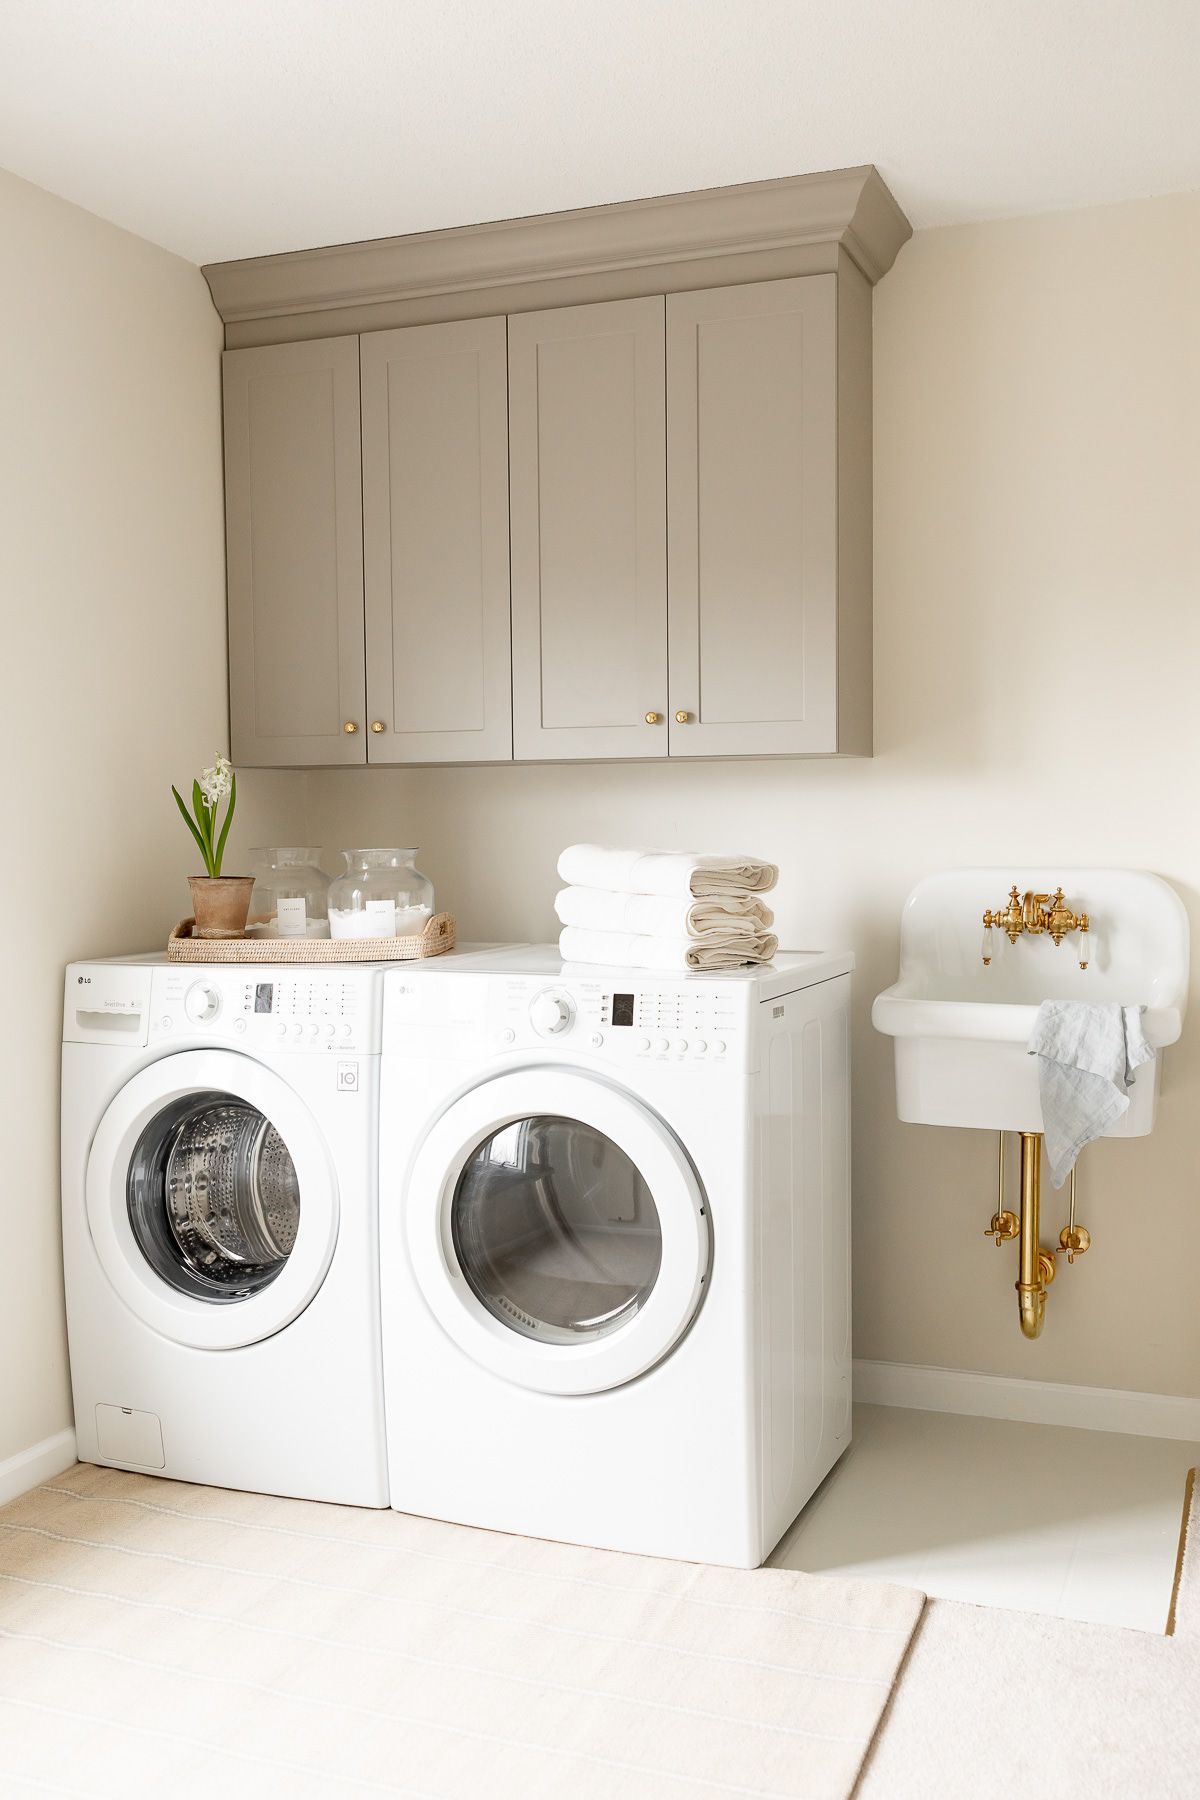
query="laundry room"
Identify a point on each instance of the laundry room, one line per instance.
(602, 1143)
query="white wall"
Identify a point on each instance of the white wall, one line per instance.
(1037, 543)
(112, 677)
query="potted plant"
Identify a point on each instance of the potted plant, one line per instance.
(220, 903)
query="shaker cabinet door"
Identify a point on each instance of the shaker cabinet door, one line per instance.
(752, 448)
(435, 540)
(293, 511)
(587, 445)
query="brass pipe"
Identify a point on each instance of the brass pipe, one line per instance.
(1037, 1265)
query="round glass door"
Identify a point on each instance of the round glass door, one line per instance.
(214, 1199)
(555, 1230)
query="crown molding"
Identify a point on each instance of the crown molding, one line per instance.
(848, 208)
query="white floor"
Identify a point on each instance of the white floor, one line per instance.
(1080, 1524)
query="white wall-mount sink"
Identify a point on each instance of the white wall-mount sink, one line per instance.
(961, 1028)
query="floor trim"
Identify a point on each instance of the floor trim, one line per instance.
(38, 1463)
(1188, 1495)
(1034, 1402)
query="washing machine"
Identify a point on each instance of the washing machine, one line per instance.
(220, 1224)
(615, 1248)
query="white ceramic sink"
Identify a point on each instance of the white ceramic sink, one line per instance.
(961, 1029)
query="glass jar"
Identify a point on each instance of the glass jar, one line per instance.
(291, 895)
(381, 894)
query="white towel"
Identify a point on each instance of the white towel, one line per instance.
(654, 915)
(1086, 1060)
(677, 874)
(630, 950)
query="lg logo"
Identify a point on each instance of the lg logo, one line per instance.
(84, 980)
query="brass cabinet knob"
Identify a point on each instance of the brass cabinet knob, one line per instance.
(377, 725)
(350, 728)
(681, 718)
(652, 718)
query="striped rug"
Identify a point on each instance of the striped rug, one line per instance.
(165, 1640)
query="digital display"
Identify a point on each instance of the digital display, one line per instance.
(264, 996)
(622, 1009)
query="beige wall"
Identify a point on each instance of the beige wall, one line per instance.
(1037, 542)
(112, 677)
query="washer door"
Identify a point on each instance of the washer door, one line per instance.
(557, 1231)
(211, 1199)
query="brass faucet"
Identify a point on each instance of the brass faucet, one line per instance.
(1035, 915)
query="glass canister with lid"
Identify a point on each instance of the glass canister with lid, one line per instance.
(381, 894)
(291, 895)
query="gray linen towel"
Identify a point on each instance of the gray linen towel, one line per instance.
(1086, 1059)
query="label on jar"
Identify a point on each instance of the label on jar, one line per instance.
(291, 918)
(378, 919)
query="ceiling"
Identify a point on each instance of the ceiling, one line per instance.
(229, 128)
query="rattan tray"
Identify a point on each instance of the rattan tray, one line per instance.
(437, 937)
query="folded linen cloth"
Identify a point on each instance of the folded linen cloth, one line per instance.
(632, 950)
(1086, 1061)
(677, 874)
(654, 915)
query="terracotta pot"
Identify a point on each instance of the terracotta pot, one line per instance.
(220, 904)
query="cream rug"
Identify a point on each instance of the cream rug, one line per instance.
(158, 1639)
(992, 1704)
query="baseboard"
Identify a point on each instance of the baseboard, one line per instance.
(1035, 1402)
(27, 1468)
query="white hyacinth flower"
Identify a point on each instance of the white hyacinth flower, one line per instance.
(216, 782)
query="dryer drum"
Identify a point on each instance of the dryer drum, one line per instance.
(214, 1201)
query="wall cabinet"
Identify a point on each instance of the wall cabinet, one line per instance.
(435, 543)
(587, 440)
(638, 528)
(294, 553)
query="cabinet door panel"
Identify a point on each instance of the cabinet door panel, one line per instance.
(752, 507)
(293, 513)
(435, 527)
(587, 435)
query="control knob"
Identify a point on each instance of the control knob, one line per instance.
(550, 1013)
(201, 1003)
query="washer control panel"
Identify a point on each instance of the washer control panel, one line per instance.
(269, 1008)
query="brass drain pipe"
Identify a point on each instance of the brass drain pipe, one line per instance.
(1037, 1265)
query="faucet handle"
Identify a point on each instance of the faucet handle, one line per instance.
(1076, 1240)
(1005, 1226)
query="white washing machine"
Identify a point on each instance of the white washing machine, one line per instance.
(220, 1224)
(615, 1248)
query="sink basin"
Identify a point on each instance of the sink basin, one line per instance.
(961, 1028)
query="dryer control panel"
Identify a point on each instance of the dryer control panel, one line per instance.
(655, 1020)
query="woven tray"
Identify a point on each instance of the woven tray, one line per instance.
(437, 937)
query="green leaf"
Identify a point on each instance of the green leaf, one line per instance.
(204, 821)
(227, 824)
(191, 824)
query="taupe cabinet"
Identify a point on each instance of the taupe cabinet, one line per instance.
(293, 518)
(667, 496)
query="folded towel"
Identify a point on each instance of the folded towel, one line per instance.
(1086, 1060)
(677, 874)
(654, 915)
(627, 949)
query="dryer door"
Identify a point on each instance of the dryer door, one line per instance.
(558, 1231)
(211, 1199)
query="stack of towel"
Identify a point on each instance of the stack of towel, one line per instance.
(664, 909)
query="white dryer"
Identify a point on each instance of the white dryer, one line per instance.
(220, 1224)
(615, 1248)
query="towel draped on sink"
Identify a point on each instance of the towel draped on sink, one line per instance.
(1087, 1056)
